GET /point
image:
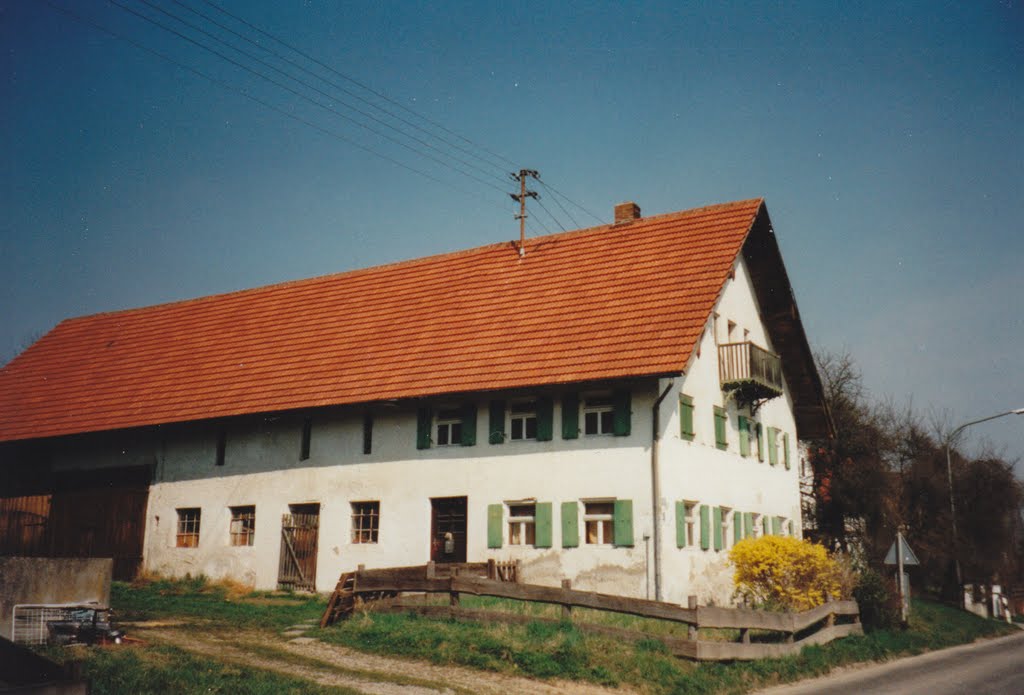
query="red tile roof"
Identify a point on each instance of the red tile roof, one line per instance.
(601, 303)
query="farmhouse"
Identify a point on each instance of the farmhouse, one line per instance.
(616, 406)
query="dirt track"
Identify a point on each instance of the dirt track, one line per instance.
(336, 666)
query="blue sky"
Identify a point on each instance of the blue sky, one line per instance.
(886, 138)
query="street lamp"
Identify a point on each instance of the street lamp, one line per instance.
(949, 475)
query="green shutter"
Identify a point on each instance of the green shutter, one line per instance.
(760, 442)
(496, 427)
(622, 523)
(621, 415)
(789, 525)
(744, 436)
(748, 524)
(680, 524)
(570, 525)
(737, 527)
(686, 418)
(545, 416)
(785, 449)
(705, 527)
(720, 418)
(773, 449)
(766, 525)
(777, 525)
(423, 422)
(542, 519)
(469, 424)
(570, 416)
(716, 518)
(494, 525)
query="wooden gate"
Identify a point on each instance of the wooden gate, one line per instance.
(299, 533)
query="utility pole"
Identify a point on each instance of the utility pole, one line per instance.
(520, 198)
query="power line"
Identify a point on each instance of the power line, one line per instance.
(545, 209)
(567, 198)
(265, 104)
(293, 91)
(335, 84)
(559, 203)
(352, 80)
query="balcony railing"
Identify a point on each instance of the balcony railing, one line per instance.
(750, 371)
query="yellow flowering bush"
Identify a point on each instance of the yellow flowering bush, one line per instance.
(784, 573)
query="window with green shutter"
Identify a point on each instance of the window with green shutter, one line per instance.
(777, 525)
(680, 524)
(744, 424)
(424, 420)
(570, 525)
(494, 525)
(544, 524)
(621, 413)
(785, 449)
(570, 416)
(705, 527)
(545, 416)
(716, 528)
(496, 423)
(766, 526)
(737, 527)
(773, 449)
(720, 420)
(686, 417)
(623, 523)
(748, 524)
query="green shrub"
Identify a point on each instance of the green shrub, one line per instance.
(879, 604)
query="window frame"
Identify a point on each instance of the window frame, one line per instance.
(602, 406)
(365, 522)
(188, 525)
(451, 419)
(604, 523)
(522, 528)
(690, 519)
(522, 411)
(240, 515)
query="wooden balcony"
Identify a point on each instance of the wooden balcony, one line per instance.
(749, 373)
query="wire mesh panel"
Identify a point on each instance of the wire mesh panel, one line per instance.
(32, 622)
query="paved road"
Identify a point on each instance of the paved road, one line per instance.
(994, 667)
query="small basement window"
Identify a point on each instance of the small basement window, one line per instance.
(365, 521)
(597, 518)
(523, 421)
(598, 415)
(449, 427)
(522, 524)
(243, 525)
(188, 528)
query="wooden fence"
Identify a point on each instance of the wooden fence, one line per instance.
(791, 631)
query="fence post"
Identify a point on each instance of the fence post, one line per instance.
(431, 570)
(492, 569)
(519, 571)
(745, 635)
(566, 608)
(691, 603)
(831, 619)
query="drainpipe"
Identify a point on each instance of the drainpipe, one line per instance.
(656, 488)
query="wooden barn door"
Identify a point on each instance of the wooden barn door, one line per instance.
(300, 529)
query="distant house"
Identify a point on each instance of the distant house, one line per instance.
(616, 406)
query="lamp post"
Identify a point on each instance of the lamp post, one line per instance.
(949, 474)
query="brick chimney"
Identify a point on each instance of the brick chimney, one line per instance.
(626, 212)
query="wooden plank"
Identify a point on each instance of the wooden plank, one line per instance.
(712, 616)
(580, 599)
(367, 581)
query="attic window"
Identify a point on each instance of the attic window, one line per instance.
(449, 427)
(523, 420)
(598, 415)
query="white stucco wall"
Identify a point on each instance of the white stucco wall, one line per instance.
(262, 468)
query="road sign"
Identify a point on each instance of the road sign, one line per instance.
(908, 555)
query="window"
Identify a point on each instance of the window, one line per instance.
(597, 519)
(307, 435)
(756, 530)
(745, 428)
(365, 521)
(773, 446)
(188, 528)
(686, 524)
(686, 417)
(598, 415)
(367, 433)
(720, 421)
(730, 331)
(449, 427)
(222, 445)
(522, 524)
(725, 522)
(523, 421)
(243, 525)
